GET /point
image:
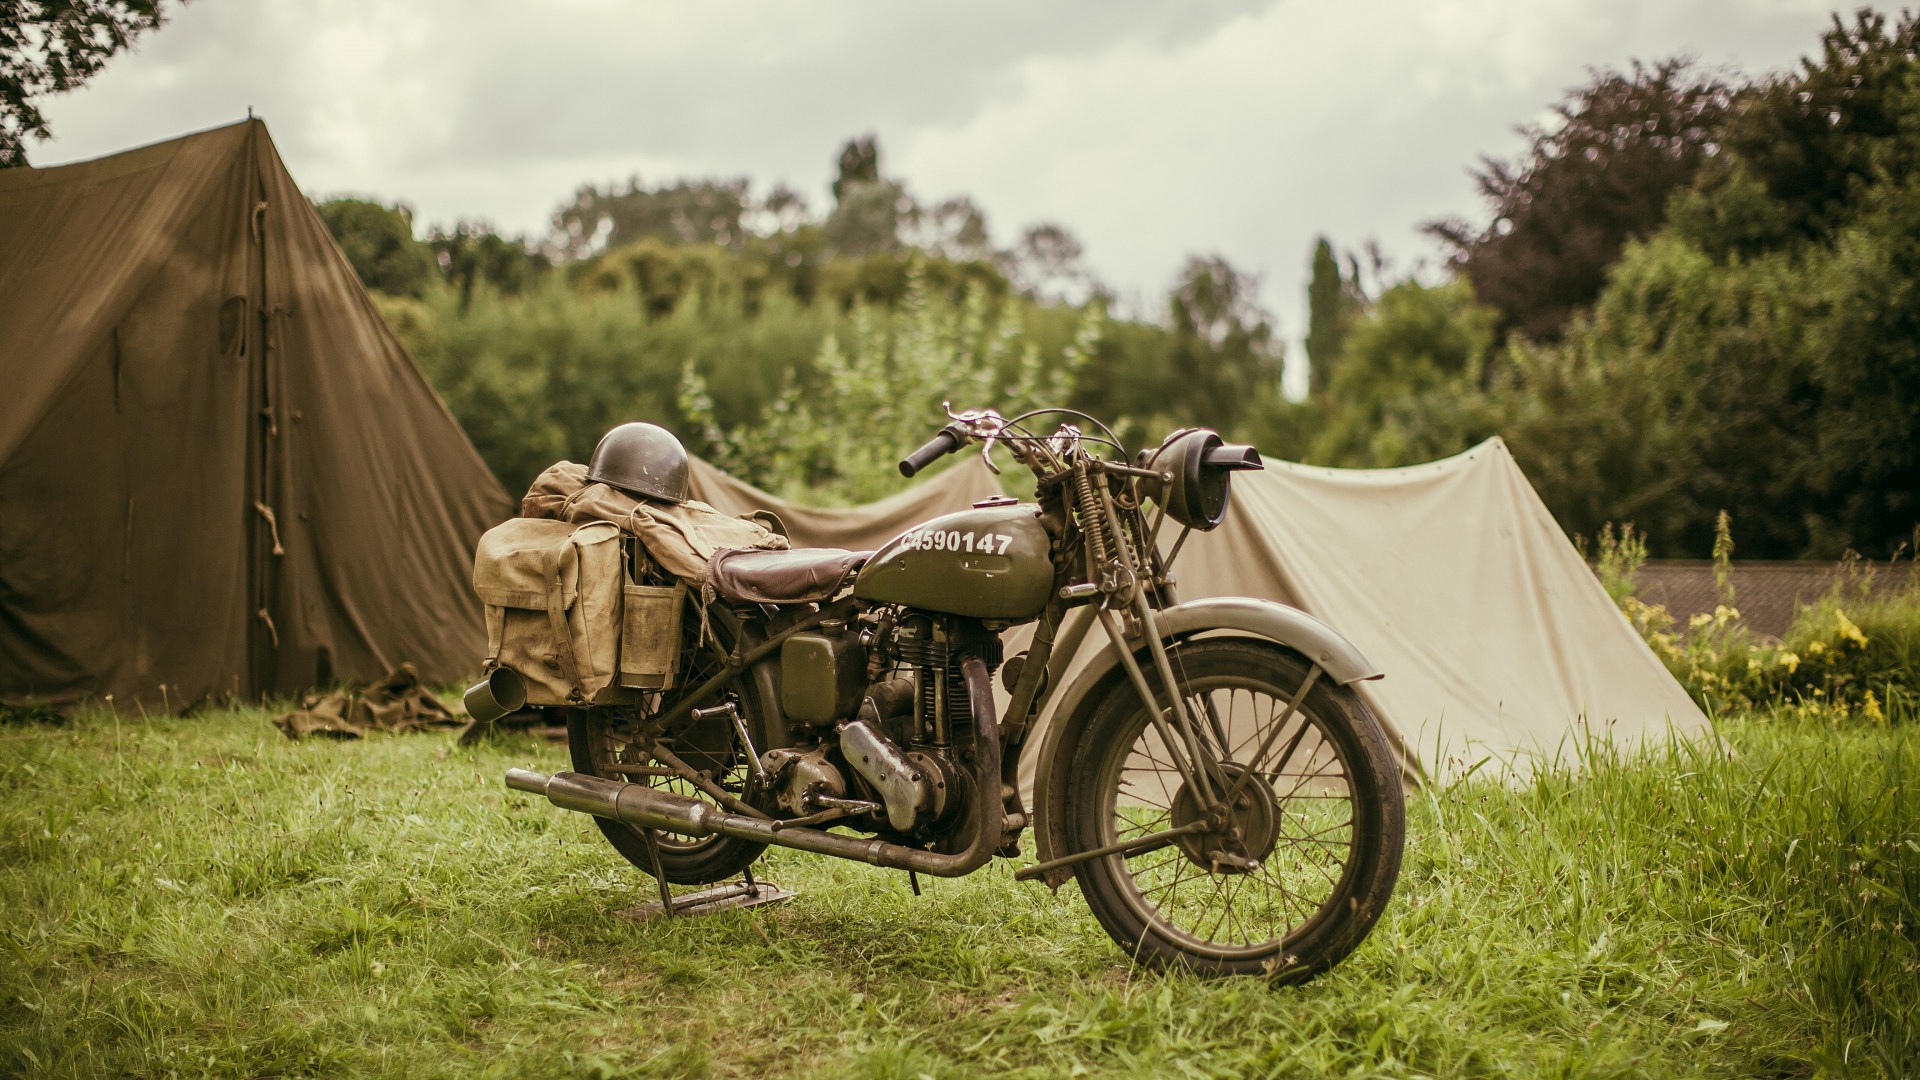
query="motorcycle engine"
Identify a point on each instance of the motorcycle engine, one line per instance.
(905, 738)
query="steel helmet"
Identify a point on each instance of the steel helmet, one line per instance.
(641, 459)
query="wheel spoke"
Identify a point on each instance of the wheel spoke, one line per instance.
(609, 740)
(1301, 836)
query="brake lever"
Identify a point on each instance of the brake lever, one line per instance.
(986, 452)
(982, 424)
(964, 416)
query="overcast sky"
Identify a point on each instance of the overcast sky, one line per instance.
(1150, 129)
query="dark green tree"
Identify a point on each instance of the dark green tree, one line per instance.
(683, 212)
(868, 217)
(1395, 397)
(859, 164)
(378, 241)
(1686, 390)
(1601, 176)
(1222, 360)
(1866, 363)
(52, 46)
(471, 252)
(1334, 300)
(870, 212)
(1806, 147)
(1811, 408)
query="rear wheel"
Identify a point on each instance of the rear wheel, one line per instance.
(604, 743)
(1292, 871)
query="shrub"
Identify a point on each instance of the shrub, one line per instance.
(834, 434)
(1854, 654)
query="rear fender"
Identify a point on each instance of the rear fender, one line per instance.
(1221, 617)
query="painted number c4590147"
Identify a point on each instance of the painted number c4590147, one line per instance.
(986, 543)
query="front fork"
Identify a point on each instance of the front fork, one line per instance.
(1119, 577)
(1191, 754)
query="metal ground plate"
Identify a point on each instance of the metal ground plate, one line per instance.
(738, 894)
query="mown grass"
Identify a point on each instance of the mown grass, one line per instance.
(199, 896)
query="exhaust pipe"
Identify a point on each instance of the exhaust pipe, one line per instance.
(652, 808)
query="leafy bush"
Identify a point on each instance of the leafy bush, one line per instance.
(1618, 559)
(1858, 650)
(1854, 654)
(540, 376)
(835, 433)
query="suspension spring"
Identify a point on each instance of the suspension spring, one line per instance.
(1093, 520)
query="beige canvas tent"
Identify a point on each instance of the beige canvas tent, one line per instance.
(1498, 642)
(220, 473)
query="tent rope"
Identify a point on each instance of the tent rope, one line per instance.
(273, 525)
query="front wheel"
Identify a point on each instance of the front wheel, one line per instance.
(1283, 878)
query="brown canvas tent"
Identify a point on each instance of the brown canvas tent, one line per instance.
(219, 470)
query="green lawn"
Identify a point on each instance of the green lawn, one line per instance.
(198, 895)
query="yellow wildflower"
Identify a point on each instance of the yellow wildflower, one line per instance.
(1848, 630)
(1699, 619)
(1816, 648)
(1789, 659)
(1870, 708)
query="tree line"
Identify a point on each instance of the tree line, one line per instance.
(1694, 291)
(752, 325)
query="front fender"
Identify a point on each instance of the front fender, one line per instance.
(1222, 616)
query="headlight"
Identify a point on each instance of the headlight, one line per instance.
(1201, 468)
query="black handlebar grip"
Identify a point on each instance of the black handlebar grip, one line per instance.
(945, 442)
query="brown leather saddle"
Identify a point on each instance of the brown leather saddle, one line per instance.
(798, 576)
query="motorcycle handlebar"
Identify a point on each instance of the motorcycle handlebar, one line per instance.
(946, 441)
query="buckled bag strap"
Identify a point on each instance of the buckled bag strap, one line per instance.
(557, 617)
(496, 635)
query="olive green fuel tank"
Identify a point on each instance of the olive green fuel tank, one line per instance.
(987, 563)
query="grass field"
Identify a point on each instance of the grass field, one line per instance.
(192, 896)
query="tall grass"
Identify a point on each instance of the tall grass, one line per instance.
(199, 896)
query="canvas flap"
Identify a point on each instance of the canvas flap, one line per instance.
(547, 496)
(681, 537)
(510, 564)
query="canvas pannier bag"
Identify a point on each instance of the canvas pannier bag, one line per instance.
(554, 593)
(563, 607)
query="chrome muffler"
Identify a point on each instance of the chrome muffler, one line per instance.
(635, 804)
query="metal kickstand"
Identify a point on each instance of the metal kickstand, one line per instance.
(659, 872)
(747, 892)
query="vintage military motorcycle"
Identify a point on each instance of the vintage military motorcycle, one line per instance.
(1226, 801)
